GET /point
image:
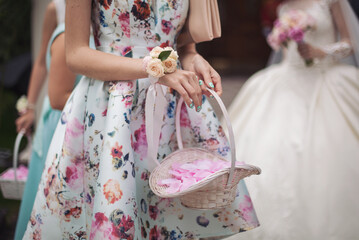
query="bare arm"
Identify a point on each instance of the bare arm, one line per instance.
(38, 73)
(342, 48)
(61, 79)
(340, 22)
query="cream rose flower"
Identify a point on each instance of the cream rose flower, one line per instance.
(170, 65)
(21, 104)
(156, 52)
(174, 54)
(155, 68)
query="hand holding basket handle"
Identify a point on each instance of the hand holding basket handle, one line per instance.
(215, 191)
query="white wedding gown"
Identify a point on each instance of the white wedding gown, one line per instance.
(300, 125)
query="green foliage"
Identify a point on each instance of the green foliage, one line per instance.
(15, 28)
(164, 55)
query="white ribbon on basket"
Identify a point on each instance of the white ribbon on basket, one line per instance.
(156, 103)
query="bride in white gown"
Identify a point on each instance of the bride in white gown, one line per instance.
(301, 126)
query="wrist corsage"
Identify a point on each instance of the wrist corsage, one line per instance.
(22, 105)
(160, 62)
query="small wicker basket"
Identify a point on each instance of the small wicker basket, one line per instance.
(13, 188)
(213, 192)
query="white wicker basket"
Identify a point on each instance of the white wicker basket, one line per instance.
(13, 188)
(213, 192)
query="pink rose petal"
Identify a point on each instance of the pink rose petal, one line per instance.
(187, 174)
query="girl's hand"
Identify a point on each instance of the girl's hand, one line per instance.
(205, 72)
(186, 83)
(25, 121)
(307, 51)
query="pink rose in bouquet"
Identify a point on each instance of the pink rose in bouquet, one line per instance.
(291, 26)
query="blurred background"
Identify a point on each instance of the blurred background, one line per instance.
(240, 52)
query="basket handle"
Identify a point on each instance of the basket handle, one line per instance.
(229, 126)
(19, 136)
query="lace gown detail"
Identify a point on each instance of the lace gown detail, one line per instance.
(95, 182)
(300, 125)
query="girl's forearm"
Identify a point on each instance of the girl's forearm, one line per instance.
(186, 54)
(39, 71)
(104, 66)
(37, 80)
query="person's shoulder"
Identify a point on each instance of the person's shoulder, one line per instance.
(51, 7)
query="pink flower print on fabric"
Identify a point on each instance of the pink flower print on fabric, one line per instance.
(74, 212)
(36, 222)
(153, 211)
(187, 174)
(155, 233)
(124, 19)
(128, 100)
(140, 142)
(246, 207)
(116, 151)
(74, 130)
(104, 113)
(212, 144)
(121, 87)
(74, 174)
(166, 26)
(102, 228)
(185, 121)
(126, 228)
(124, 50)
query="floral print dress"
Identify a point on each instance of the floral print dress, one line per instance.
(95, 182)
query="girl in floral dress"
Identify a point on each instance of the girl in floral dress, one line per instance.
(95, 183)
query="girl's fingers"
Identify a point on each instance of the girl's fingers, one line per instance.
(203, 86)
(206, 77)
(196, 84)
(27, 125)
(19, 124)
(216, 78)
(193, 94)
(185, 96)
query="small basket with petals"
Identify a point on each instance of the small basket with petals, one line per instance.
(217, 190)
(13, 187)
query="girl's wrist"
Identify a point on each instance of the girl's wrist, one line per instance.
(31, 106)
(188, 60)
(23, 105)
(160, 62)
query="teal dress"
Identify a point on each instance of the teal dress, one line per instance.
(43, 136)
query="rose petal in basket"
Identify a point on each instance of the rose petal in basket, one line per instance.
(213, 188)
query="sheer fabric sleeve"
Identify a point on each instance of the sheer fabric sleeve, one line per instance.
(343, 47)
